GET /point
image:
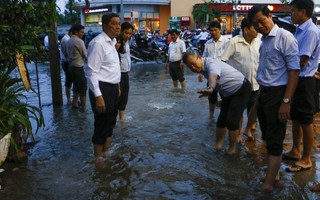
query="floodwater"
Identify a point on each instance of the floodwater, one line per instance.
(164, 150)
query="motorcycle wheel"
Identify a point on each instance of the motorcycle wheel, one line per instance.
(161, 57)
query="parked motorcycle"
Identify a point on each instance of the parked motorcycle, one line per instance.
(147, 54)
(190, 46)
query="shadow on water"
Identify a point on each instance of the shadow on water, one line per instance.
(164, 150)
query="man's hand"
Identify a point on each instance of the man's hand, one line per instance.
(100, 106)
(200, 78)
(317, 75)
(181, 65)
(284, 112)
(205, 92)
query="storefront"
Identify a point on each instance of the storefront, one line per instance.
(232, 14)
(146, 18)
(143, 17)
(92, 16)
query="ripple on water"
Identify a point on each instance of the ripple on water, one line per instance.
(160, 106)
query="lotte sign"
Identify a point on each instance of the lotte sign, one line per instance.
(246, 7)
(241, 7)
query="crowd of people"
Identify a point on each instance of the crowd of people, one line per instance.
(272, 76)
(266, 70)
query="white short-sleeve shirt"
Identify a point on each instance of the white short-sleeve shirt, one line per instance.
(244, 57)
(176, 49)
(215, 49)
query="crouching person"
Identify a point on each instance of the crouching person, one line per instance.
(234, 90)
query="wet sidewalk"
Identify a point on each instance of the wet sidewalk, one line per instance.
(164, 150)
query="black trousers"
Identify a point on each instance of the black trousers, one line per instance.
(273, 130)
(105, 122)
(124, 88)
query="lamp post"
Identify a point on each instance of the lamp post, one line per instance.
(236, 13)
(121, 11)
(235, 16)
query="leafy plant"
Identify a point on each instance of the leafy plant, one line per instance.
(203, 14)
(14, 107)
(21, 23)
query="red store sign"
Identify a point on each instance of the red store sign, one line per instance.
(184, 21)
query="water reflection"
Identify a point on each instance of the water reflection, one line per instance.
(165, 150)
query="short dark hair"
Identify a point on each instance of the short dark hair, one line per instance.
(106, 18)
(257, 8)
(245, 24)
(215, 24)
(76, 28)
(308, 5)
(125, 26)
(174, 31)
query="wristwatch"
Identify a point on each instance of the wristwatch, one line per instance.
(286, 100)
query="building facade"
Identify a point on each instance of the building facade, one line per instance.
(148, 15)
(232, 12)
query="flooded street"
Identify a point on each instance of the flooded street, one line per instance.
(164, 150)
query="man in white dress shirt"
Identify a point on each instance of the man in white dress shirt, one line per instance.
(176, 49)
(103, 74)
(243, 54)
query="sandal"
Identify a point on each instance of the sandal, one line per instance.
(296, 168)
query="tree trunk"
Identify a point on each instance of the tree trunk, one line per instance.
(54, 58)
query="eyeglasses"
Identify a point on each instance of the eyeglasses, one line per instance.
(192, 64)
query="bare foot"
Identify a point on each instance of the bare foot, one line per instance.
(291, 156)
(219, 141)
(219, 145)
(254, 127)
(268, 188)
(315, 188)
(106, 154)
(99, 161)
(231, 151)
(249, 135)
(239, 139)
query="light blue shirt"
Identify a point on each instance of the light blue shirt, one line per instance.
(229, 79)
(308, 36)
(278, 55)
